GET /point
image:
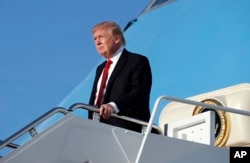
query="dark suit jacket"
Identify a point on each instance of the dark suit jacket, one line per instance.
(129, 87)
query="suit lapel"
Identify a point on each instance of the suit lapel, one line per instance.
(94, 89)
(120, 64)
(100, 69)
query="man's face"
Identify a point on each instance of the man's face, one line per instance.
(105, 44)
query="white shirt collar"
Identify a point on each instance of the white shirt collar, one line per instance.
(117, 55)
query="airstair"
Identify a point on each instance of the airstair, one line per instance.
(74, 139)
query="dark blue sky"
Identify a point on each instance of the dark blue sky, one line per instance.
(46, 50)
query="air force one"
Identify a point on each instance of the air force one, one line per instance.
(199, 52)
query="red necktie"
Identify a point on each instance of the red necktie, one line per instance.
(103, 83)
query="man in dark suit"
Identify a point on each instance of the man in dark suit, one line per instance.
(128, 85)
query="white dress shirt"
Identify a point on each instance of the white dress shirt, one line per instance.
(114, 60)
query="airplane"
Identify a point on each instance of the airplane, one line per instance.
(199, 53)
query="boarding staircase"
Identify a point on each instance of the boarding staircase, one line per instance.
(69, 137)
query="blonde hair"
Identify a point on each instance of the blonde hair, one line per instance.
(113, 29)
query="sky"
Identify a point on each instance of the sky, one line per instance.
(46, 50)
